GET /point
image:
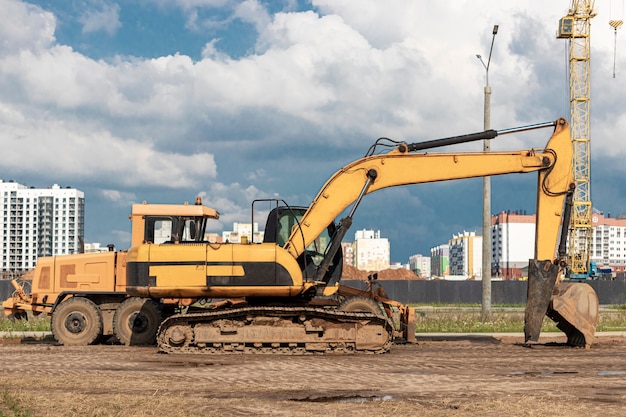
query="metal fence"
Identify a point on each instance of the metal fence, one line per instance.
(455, 292)
(6, 289)
(470, 292)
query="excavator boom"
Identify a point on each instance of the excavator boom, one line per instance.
(402, 167)
(573, 306)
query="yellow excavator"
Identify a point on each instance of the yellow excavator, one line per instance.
(284, 295)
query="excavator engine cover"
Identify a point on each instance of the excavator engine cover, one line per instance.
(541, 278)
(574, 307)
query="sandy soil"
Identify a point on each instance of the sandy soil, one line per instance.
(461, 377)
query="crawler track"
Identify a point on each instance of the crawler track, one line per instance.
(276, 330)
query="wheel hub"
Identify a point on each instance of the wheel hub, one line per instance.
(75, 322)
(138, 322)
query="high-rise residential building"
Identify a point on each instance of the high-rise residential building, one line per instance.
(512, 243)
(440, 261)
(513, 240)
(39, 222)
(420, 265)
(608, 243)
(243, 231)
(371, 252)
(466, 255)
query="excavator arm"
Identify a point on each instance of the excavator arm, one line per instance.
(405, 166)
(402, 167)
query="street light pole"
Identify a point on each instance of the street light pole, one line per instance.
(486, 261)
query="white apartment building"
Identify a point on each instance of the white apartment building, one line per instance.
(420, 265)
(245, 231)
(370, 251)
(39, 222)
(96, 247)
(512, 244)
(608, 243)
(466, 255)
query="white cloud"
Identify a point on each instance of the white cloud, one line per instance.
(87, 151)
(211, 52)
(233, 202)
(106, 18)
(118, 197)
(24, 26)
(252, 11)
(193, 4)
(257, 174)
(364, 67)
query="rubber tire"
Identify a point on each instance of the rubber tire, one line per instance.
(136, 321)
(76, 322)
(361, 304)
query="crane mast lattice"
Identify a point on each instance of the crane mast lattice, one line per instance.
(576, 27)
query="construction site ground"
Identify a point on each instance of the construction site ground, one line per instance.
(442, 375)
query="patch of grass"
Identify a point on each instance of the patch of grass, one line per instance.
(435, 319)
(467, 305)
(612, 320)
(464, 320)
(33, 324)
(11, 405)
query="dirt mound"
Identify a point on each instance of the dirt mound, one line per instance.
(350, 272)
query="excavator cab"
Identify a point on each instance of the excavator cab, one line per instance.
(282, 220)
(174, 229)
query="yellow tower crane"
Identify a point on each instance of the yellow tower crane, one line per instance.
(575, 26)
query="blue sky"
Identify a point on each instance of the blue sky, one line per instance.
(162, 100)
(151, 29)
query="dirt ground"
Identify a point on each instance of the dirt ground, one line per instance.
(462, 377)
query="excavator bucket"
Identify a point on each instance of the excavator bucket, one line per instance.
(541, 279)
(574, 307)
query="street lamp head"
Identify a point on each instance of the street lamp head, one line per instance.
(480, 58)
(495, 29)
